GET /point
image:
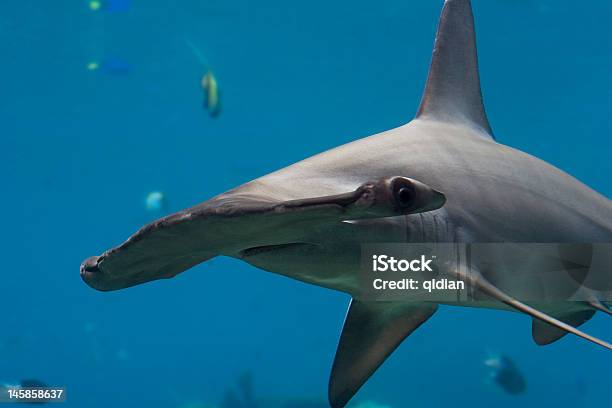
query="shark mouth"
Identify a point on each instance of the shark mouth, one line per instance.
(266, 249)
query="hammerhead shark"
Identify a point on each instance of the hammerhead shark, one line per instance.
(442, 177)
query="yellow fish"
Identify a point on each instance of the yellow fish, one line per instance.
(212, 94)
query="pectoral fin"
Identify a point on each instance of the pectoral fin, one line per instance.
(546, 333)
(372, 330)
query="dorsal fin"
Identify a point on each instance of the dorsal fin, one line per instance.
(452, 92)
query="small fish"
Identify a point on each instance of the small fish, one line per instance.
(111, 6)
(212, 94)
(111, 66)
(95, 5)
(506, 374)
(155, 201)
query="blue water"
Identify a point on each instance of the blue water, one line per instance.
(82, 148)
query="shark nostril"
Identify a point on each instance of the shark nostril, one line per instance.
(90, 265)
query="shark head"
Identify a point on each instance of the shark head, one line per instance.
(245, 223)
(442, 177)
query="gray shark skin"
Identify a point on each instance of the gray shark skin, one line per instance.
(440, 178)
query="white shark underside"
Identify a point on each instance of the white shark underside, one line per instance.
(440, 178)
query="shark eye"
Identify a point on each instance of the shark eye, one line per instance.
(405, 194)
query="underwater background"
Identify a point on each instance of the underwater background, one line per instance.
(102, 104)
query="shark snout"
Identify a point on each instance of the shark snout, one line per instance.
(90, 266)
(96, 272)
(99, 278)
(90, 271)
